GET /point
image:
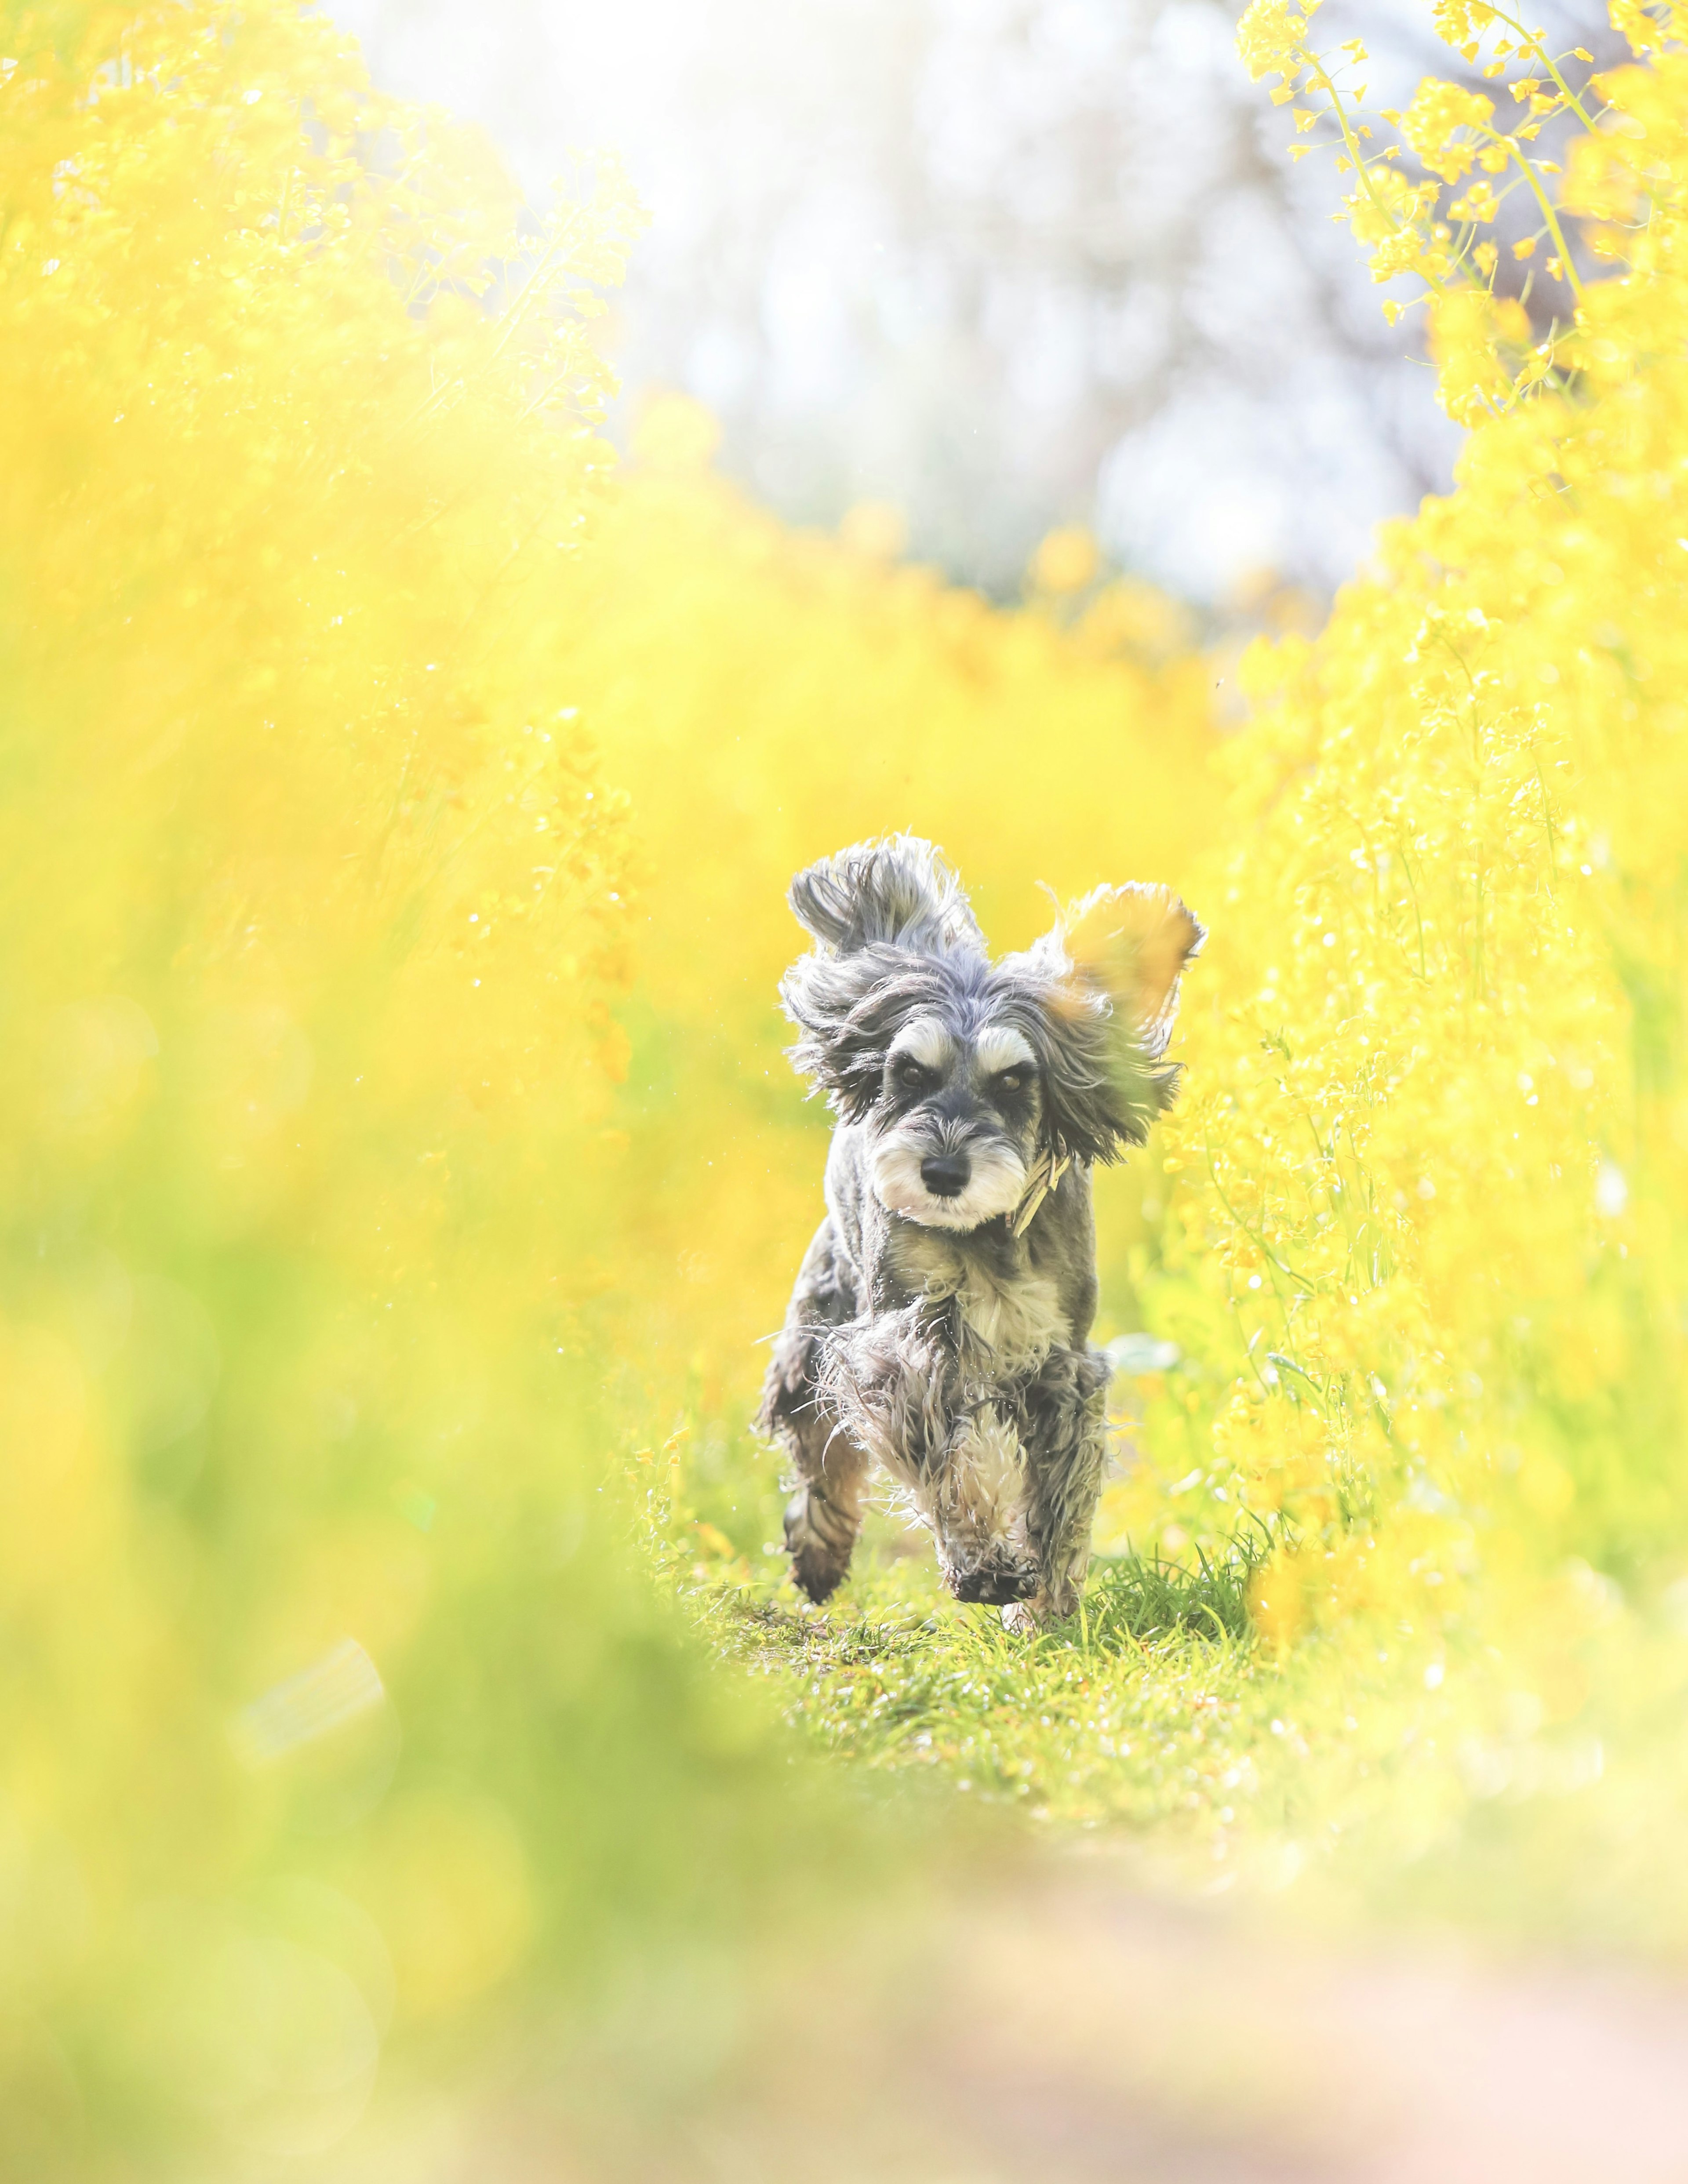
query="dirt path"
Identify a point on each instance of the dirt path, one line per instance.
(1069, 2029)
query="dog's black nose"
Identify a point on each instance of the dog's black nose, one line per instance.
(945, 1174)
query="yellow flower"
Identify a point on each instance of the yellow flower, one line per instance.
(1269, 35)
(1634, 20)
(1461, 22)
(1478, 203)
(1428, 124)
(1066, 561)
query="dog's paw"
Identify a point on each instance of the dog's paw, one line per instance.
(816, 1574)
(991, 1584)
(1043, 1604)
(819, 1542)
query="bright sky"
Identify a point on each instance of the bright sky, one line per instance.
(1006, 263)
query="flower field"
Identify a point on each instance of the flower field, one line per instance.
(1418, 1213)
(400, 1169)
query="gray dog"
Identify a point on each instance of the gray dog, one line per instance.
(941, 1318)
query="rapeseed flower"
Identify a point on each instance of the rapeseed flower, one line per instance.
(1426, 1252)
(397, 816)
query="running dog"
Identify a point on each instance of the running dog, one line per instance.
(940, 1322)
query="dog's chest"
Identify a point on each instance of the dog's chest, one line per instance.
(1012, 1313)
(1019, 1321)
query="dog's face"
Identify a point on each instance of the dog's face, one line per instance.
(967, 1072)
(954, 1128)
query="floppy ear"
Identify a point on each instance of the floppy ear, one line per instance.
(1098, 995)
(897, 890)
(1131, 943)
(879, 911)
(847, 1010)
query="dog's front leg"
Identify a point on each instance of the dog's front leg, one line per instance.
(890, 1383)
(1062, 1416)
(896, 1385)
(829, 1473)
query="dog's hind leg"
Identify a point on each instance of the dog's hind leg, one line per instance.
(828, 1472)
(1063, 1413)
(823, 1516)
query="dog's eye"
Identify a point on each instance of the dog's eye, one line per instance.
(914, 1074)
(1011, 1080)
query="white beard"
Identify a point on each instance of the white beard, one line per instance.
(996, 1186)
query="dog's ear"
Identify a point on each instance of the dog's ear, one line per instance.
(1131, 943)
(847, 1010)
(879, 911)
(1099, 994)
(896, 891)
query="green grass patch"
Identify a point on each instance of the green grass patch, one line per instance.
(1382, 1766)
(1138, 1711)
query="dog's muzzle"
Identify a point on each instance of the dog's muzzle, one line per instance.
(946, 1175)
(957, 1187)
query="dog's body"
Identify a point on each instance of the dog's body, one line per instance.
(941, 1319)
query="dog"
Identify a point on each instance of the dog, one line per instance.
(940, 1323)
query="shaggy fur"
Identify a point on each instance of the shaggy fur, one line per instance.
(940, 1323)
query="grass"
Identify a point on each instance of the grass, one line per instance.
(1140, 1711)
(1385, 1768)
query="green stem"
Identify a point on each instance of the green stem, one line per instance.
(538, 285)
(1412, 886)
(1258, 1241)
(1547, 212)
(1547, 822)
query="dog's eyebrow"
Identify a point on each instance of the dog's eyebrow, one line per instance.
(1000, 1046)
(924, 1041)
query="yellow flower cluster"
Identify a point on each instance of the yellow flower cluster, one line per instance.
(1428, 1252)
(1483, 348)
(315, 906)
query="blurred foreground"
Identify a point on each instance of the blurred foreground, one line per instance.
(1067, 2026)
(399, 1169)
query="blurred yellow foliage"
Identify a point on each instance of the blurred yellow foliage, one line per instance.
(396, 827)
(1067, 560)
(765, 698)
(1427, 1253)
(317, 902)
(337, 1704)
(874, 528)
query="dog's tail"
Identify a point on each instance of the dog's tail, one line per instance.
(896, 890)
